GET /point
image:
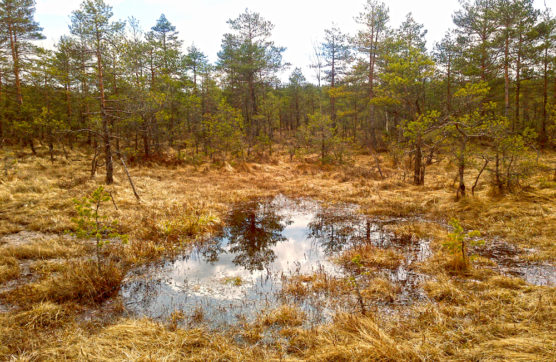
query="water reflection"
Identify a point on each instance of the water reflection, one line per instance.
(240, 272)
(253, 230)
(338, 228)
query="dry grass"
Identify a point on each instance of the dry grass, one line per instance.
(479, 315)
(80, 282)
(354, 339)
(135, 340)
(299, 286)
(44, 247)
(380, 289)
(284, 316)
(371, 257)
(9, 269)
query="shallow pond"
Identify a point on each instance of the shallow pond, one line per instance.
(508, 262)
(239, 273)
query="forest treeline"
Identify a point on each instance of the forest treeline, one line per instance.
(486, 92)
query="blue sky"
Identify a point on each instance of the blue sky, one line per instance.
(298, 23)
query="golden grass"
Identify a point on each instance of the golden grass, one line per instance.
(478, 315)
(9, 269)
(380, 289)
(135, 340)
(44, 247)
(284, 316)
(77, 282)
(43, 315)
(445, 290)
(355, 339)
(299, 286)
(371, 257)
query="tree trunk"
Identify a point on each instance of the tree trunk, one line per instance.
(497, 171)
(479, 176)
(543, 137)
(507, 75)
(461, 172)
(332, 87)
(32, 146)
(372, 59)
(105, 121)
(16, 71)
(15, 62)
(517, 85)
(146, 145)
(68, 103)
(484, 42)
(449, 86)
(418, 178)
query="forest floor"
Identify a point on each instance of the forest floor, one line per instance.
(55, 304)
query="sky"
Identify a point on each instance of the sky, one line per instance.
(298, 23)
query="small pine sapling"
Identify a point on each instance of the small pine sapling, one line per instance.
(93, 224)
(459, 241)
(357, 261)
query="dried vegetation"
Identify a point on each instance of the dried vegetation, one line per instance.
(51, 294)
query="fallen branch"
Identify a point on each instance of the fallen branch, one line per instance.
(129, 178)
(479, 176)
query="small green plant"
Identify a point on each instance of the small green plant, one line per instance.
(357, 261)
(235, 281)
(459, 241)
(92, 224)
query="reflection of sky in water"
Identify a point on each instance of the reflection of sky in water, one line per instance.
(261, 243)
(192, 282)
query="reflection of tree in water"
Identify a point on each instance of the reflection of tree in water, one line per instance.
(212, 249)
(336, 229)
(252, 230)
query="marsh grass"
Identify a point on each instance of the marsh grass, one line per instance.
(79, 282)
(44, 247)
(301, 286)
(9, 269)
(285, 315)
(369, 257)
(380, 289)
(477, 315)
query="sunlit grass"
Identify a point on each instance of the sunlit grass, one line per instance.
(474, 315)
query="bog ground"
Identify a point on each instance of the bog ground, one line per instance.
(55, 304)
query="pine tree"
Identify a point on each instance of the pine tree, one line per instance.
(336, 54)
(374, 19)
(92, 22)
(526, 18)
(18, 30)
(297, 82)
(195, 61)
(164, 38)
(250, 61)
(547, 43)
(477, 28)
(446, 54)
